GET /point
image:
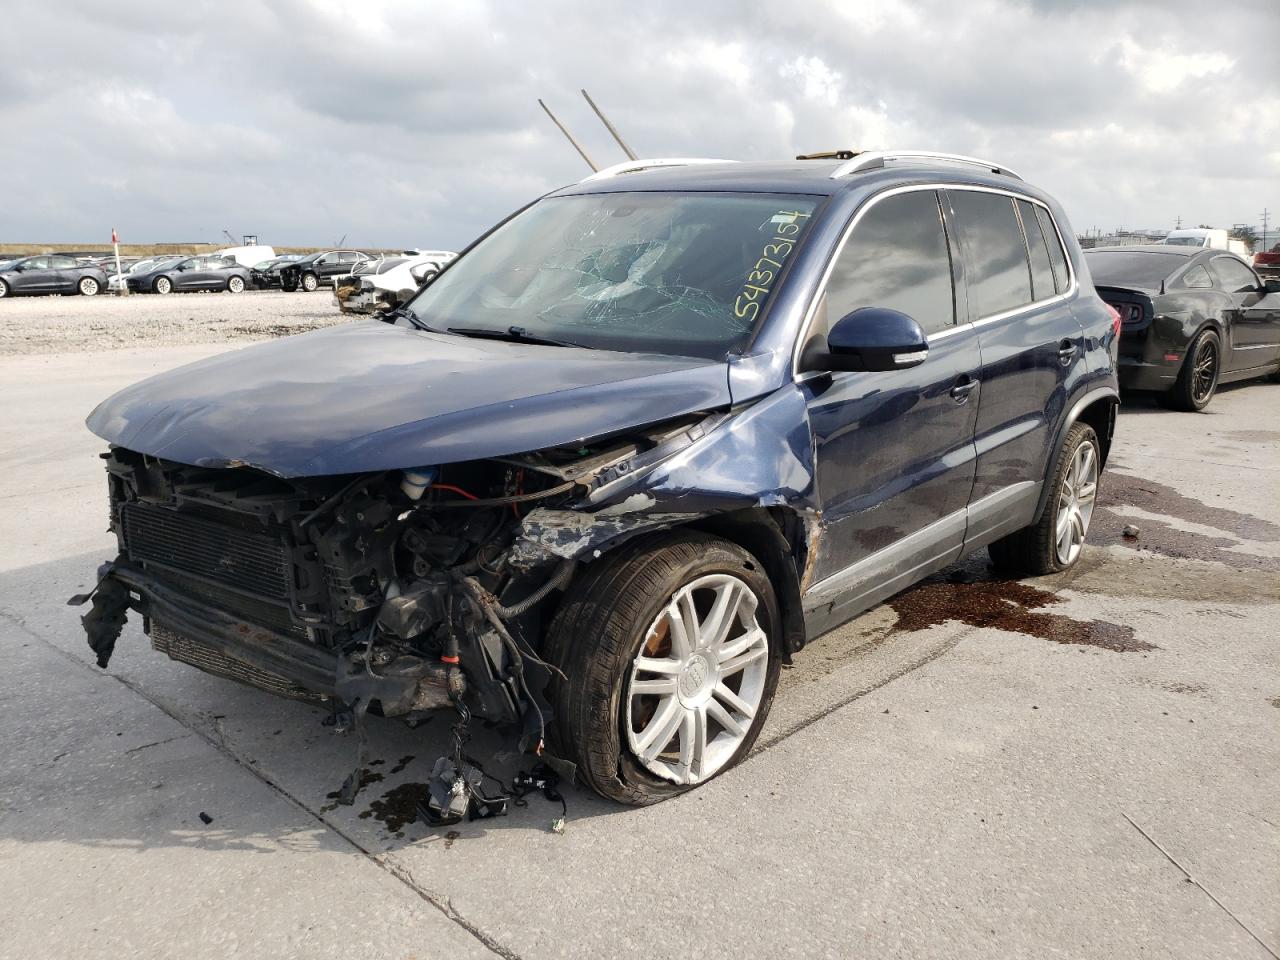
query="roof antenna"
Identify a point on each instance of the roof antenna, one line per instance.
(577, 146)
(605, 120)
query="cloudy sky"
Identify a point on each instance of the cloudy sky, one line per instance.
(399, 123)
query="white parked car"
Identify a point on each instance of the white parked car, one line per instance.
(389, 280)
(249, 256)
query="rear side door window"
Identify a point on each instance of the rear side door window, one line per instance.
(1197, 278)
(1043, 284)
(1057, 256)
(897, 257)
(995, 254)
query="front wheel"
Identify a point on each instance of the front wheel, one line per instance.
(310, 282)
(4, 289)
(1055, 541)
(671, 648)
(236, 285)
(88, 286)
(163, 285)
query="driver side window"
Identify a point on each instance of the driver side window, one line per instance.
(897, 257)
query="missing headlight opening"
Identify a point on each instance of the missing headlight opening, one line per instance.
(396, 593)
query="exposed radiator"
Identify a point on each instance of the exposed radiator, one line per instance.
(255, 562)
(214, 661)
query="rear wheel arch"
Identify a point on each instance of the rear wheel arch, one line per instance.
(1097, 408)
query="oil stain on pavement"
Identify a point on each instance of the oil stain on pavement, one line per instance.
(1158, 536)
(1007, 605)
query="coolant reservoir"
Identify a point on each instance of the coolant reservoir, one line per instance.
(415, 482)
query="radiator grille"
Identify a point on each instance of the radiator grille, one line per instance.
(214, 661)
(243, 559)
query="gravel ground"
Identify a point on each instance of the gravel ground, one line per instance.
(36, 325)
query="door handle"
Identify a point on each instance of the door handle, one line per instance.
(960, 392)
(1066, 350)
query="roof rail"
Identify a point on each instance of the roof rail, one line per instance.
(874, 159)
(633, 166)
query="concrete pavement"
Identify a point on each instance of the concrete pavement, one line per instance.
(997, 784)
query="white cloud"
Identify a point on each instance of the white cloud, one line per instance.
(401, 123)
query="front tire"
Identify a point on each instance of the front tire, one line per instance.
(162, 285)
(4, 289)
(88, 286)
(235, 285)
(1056, 540)
(672, 649)
(1198, 379)
(310, 282)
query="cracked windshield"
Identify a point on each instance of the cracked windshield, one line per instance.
(683, 274)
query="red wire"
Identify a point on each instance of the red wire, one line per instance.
(452, 489)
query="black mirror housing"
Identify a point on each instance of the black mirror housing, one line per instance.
(1271, 285)
(874, 339)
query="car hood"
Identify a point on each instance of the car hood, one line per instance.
(375, 396)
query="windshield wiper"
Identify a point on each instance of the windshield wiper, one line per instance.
(512, 334)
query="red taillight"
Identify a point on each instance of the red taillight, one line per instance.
(1115, 319)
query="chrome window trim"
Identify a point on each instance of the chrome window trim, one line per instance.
(806, 326)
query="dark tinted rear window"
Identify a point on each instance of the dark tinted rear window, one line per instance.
(1118, 268)
(999, 278)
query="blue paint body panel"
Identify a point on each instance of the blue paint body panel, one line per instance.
(861, 464)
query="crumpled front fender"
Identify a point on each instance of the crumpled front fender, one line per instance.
(761, 456)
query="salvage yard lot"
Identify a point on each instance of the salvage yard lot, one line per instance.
(30, 325)
(953, 773)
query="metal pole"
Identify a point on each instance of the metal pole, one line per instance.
(124, 287)
(605, 120)
(577, 146)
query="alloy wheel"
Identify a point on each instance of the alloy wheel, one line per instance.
(88, 286)
(235, 285)
(309, 283)
(1204, 374)
(1075, 503)
(163, 285)
(698, 680)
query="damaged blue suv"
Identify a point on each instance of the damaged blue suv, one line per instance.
(625, 456)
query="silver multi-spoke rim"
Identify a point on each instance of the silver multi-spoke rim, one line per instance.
(1075, 502)
(236, 284)
(309, 283)
(162, 285)
(698, 680)
(88, 286)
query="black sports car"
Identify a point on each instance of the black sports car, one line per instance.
(1192, 318)
(190, 273)
(50, 273)
(317, 269)
(267, 273)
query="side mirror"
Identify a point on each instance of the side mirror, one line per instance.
(1271, 285)
(874, 338)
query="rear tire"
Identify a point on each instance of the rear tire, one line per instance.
(4, 289)
(88, 286)
(1039, 548)
(614, 626)
(1198, 379)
